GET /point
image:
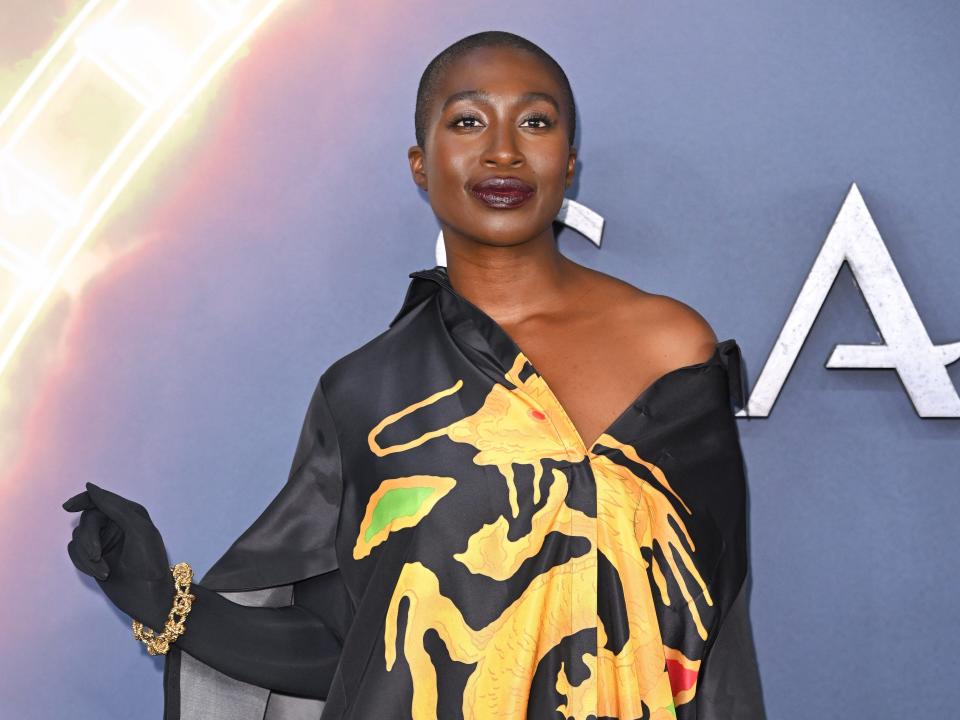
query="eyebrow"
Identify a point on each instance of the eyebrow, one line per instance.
(484, 96)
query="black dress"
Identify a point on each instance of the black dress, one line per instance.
(481, 560)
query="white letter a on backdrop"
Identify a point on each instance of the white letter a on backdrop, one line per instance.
(921, 365)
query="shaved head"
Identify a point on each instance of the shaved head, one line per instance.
(432, 75)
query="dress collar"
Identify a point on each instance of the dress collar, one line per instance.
(495, 349)
(421, 288)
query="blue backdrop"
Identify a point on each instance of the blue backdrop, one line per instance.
(718, 142)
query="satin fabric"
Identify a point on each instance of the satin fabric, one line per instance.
(482, 560)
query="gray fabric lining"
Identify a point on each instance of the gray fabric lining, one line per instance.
(207, 694)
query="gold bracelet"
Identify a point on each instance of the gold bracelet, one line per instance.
(159, 644)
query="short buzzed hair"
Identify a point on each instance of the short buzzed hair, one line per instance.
(430, 79)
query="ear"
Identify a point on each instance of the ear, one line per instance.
(415, 157)
(571, 166)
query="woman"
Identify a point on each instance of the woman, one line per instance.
(523, 499)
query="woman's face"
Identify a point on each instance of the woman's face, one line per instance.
(502, 133)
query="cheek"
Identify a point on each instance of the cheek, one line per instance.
(455, 169)
(448, 177)
(550, 164)
(560, 165)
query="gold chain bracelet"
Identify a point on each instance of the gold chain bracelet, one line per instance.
(182, 602)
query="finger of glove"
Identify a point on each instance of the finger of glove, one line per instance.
(80, 501)
(135, 506)
(122, 511)
(98, 567)
(99, 570)
(92, 524)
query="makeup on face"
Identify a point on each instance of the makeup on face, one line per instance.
(502, 191)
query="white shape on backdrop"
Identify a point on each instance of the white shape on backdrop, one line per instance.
(921, 365)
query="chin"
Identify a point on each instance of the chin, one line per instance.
(507, 227)
(506, 234)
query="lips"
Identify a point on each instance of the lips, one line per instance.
(502, 192)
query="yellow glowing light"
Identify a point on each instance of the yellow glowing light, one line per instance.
(96, 106)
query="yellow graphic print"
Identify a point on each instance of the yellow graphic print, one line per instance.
(526, 425)
(509, 428)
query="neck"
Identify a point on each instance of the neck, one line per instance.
(508, 282)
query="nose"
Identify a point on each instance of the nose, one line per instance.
(502, 148)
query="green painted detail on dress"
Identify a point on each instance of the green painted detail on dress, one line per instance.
(396, 503)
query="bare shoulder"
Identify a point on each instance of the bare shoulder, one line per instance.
(662, 329)
(683, 334)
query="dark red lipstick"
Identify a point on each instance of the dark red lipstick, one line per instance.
(502, 191)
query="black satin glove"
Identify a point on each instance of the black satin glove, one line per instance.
(292, 649)
(116, 543)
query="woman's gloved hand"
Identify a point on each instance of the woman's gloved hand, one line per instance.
(116, 543)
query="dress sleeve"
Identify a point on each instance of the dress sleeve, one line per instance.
(730, 685)
(287, 556)
(731, 682)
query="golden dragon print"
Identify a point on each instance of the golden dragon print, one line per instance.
(517, 426)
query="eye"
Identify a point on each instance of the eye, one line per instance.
(542, 118)
(455, 122)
